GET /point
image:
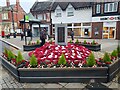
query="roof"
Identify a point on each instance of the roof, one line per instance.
(76, 5)
(31, 18)
(44, 6)
(8, 7)
(41, 6)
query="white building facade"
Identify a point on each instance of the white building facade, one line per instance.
(76, 19)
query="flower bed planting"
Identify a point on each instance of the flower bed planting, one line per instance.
(31, 46)
(94, 46)
(54, 63)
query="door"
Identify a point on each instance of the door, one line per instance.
(61, 34)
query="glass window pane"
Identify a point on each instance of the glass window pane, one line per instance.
(77, 24)
(110, 7)
(70, 24)
(115, 6)
(86, 24)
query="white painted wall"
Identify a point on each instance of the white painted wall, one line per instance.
(83, 15)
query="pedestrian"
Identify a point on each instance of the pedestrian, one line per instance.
(72, 34)
(43, 36)
(22, 35)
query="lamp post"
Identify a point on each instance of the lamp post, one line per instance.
(13, 21)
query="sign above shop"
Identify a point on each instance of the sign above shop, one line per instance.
(110, 18)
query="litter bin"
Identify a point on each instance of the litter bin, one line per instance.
(3, 34)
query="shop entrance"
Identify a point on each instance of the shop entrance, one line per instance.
(109, 32)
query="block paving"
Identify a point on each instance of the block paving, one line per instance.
(8, 82)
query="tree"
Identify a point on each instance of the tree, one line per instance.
(19, 57)
(91, 60)
(106, 58)
(62, 60)
(33, 61)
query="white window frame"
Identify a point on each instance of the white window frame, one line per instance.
(58, 12)
(113, 7)
(4, 16)
(70, 11)
(98, 7)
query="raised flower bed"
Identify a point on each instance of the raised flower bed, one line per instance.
(31, 46)
(45, 66)
(94, 46)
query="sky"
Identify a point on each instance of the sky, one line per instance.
(25, 4)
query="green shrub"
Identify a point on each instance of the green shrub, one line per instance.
(19, 57)
(29, 43)
(114, 53)
(106, 58)
(91, 60)
(70, 41)
(93, 42)
(10, 55)
(38, 42)
(77, 41)
(85, 42)
(51, 41)
(62, 60)
(33, 61)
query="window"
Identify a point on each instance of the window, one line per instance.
(70, 11)
(98, 8)
(5, 16)
(111, 7)
(115, 6)
(58, 13)
(86, 24)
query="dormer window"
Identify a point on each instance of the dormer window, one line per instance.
(58, 12)
(98, 8)
(70, 11)
(111, 7)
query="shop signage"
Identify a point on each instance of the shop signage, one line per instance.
(110, 18)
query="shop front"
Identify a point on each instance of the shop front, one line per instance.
(109, 30)
(107, 27)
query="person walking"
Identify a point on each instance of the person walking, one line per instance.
(22, 35)
(72, 34)
(43, 36)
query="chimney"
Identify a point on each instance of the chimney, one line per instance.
(8, 2)
(17, 4)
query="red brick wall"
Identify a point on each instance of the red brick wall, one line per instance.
(97, 27)
(118, 30)
(18, 15)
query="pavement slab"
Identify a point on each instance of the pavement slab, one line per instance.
(7, 81)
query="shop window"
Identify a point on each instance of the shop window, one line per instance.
(77, 31)
(69, 25)
(69, 31)
(77, 24)
(86, 32)
(86, 24)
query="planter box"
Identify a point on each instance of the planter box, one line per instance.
(30, 47)
(92, 47)
(113, 69)
(10, 67)
(85, 74)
